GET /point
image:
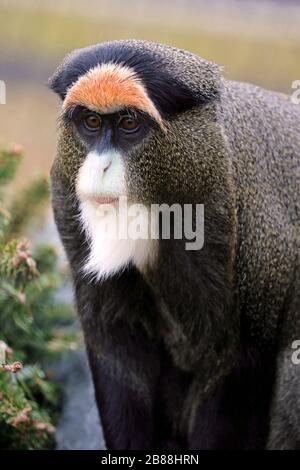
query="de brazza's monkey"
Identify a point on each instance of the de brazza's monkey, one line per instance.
(189, 349)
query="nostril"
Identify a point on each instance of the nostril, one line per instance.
(106, 159)
(106, 166)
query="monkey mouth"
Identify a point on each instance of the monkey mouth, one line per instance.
(104, 199)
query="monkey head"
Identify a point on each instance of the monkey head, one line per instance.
(138, 120)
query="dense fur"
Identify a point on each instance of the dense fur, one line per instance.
(169, 82)
(194, 352)
(110, 87)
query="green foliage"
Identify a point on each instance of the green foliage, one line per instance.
(8, 164)
(31, 321)
(21, 209)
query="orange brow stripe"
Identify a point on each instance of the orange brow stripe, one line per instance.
(108, 88)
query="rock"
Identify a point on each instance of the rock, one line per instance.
(79, 425)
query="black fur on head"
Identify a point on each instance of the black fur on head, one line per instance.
(154, 65)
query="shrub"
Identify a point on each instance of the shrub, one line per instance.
(31, 319)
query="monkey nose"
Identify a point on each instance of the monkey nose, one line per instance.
(106, 161)
(106, 166)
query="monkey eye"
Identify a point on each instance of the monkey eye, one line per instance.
(92, 122)
(128, 124)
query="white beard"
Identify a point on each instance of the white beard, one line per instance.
(109, 253)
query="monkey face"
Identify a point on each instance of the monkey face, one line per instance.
(132, 125)
(152, 84)
(107, 139)
(111, 113)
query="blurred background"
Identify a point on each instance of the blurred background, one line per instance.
(254, 41)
